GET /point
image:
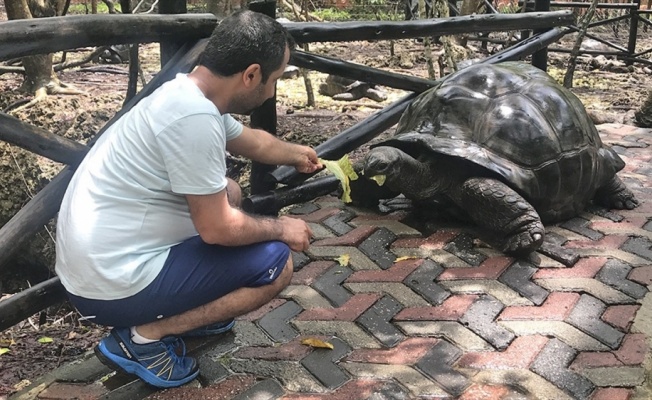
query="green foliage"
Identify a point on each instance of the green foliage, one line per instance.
(85, 8)
(333, 14)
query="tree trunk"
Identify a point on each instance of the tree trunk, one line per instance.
(39, 75)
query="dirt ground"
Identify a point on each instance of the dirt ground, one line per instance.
(612, 94)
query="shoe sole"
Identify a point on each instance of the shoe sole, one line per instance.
(133, 368)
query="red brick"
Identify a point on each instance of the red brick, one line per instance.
(488, 392)
(352, 390)
(633, 349)
(292, 351)
(634, 223)
(519, 355)
(491, 268)
(308, 274)
(349, 311)
(620, 316)
(351, 238)
(609, 242)
(408, 352)
(642, 275)
(319, 215)
(450, 310)
(259, 313)
(396, 273)
(612, 393)
(584, 268)
(394, 216)
(61, 390)
(591, 359)
(556, 308)
(436, 241)
(227, 389)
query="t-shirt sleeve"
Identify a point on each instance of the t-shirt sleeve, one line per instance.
(232, 127)
(193, 149)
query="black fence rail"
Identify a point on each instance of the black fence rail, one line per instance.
(547, 27)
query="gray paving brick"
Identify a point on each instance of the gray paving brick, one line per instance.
(376, 321)
(305, 208)
(614, 273)
(338, 222)
(299, 260)
(480, 318)
(376, 247)
(276, 322)
(586, 317)
(321, 364)
(552, 247)
(437, 365)
(422, 281)
(604, 213)
(390, 391)
(648, 226)
(462, 246)
(580, 225)
(552, 364)
(268, 389)
(211, 370)
(640, 246)
(519, 277)
(329, 285)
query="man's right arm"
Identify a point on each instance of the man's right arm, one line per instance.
(217, 222)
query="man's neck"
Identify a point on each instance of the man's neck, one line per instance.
(216, 89)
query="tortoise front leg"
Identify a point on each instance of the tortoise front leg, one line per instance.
(495, 206)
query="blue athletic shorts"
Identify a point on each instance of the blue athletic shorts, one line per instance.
(194, 274)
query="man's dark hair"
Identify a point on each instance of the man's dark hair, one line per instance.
(246, 38)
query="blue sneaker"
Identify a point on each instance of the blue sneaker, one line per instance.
(155, 363)
(210, 330)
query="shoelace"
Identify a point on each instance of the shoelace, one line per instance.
(172, 347)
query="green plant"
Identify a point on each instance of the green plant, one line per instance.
(332, 14)
(85, 8)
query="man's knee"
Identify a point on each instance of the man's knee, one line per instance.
(233, 193)
(284, 278)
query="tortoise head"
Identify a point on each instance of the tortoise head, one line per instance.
(399, 167)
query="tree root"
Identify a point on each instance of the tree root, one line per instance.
(52, 87)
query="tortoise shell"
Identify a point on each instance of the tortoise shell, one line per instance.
(520, 125)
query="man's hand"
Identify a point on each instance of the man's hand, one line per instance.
(307, 160)
(296, 233)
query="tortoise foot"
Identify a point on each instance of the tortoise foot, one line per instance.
(527, 240)
(616, 195)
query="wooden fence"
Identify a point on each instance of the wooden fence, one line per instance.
(188, 33)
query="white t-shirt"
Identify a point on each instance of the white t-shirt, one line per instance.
(125, 206)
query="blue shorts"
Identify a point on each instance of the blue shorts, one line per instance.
(194, 274)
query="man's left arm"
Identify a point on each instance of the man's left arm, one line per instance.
(260, 146)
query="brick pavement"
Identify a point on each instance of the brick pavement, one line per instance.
(436, 315)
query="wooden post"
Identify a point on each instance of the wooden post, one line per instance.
(170, 47)
(263, 117)
(540, 58)
(633, 30)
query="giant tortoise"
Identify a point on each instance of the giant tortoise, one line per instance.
(508, 146)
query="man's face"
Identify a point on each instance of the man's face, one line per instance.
(246, 103)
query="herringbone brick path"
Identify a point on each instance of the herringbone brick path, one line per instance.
(436, 315)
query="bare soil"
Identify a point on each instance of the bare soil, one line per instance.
(612, 94)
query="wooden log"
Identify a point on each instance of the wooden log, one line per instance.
(304, 32)
(46, 35)
(40, 141)
(359, 72)
(26, 37)
(170, 46)
(30, 301)
(42, 207)
(273, 201)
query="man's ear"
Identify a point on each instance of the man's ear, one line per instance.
(252, 76)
